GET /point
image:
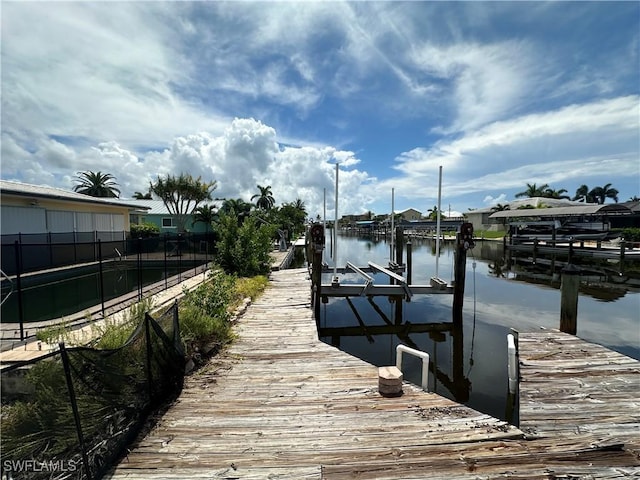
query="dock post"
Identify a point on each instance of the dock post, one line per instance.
(464, 241)
(409, 261)
(316, 242)
(399, 247)
(459, 274)
(569, 299)
(622, 248)
(535, 250)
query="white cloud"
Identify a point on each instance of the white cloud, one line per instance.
(80, 75)
(592, 140)
(490, 201)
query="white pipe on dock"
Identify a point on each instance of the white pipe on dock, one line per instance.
(417, 353)
(512, 365)
(438, 221)
(324, 211)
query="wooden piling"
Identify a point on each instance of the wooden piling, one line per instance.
(459, 275)
(569, 299)
(409, 262)
(399, 244)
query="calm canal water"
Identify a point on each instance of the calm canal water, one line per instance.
(470, 364)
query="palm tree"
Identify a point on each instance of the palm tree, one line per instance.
(265, 198)
(635, 198)
(533, 191)
(237, 207)
(551, 193)
(96, 184)
(600, 194)
(142, 196)
(498, 207)
(205, 214)
(583, 192)
(299, 204)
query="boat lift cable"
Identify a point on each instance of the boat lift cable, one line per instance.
(473, 328)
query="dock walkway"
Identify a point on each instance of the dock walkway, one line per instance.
(579, 393)
(281, 404)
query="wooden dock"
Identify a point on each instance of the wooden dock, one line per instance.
(280, 404)
(578, 392)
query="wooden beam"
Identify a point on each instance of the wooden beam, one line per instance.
(350, 290)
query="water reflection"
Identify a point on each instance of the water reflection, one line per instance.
(469, 363)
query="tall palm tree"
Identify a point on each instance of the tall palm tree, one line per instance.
(584, 192)
(265, 198)
(205, 214)
(533, 191)
(499, 207)
(299, 205)
(142, 196)
(600, 194)
(237, 207)
(551, 193)
(96, 184)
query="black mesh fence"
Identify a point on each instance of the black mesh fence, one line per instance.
(72, 413)
(47, 281)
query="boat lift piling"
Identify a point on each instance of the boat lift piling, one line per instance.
(400, 286)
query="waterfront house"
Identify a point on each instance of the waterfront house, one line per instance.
(155, 212)
(37, 210)
(55, 227)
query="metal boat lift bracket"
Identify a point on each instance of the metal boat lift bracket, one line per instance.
(400, 279)
(368, 278)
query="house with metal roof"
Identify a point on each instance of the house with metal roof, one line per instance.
(155, 212)
(37, 210)
(615, 214)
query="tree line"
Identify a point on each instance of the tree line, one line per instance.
(244, 231)
(583, 193)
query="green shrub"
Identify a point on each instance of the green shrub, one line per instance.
(630, 234)
(204, 312)
(249, 287)
(244, 249)
(144, 230)
(113, 335)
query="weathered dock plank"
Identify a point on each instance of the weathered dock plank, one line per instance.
(281, 404)
(571, 388)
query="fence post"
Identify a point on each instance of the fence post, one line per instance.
(139, 268)
(147, 334)
(18, 255)
(74, 407)
(101, 275)
(179, 258)
(166, 279)
(50, 250)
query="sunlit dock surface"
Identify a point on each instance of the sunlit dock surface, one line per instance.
(281, 404)
(579, 392)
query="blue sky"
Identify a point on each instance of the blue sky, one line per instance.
(499, 94)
